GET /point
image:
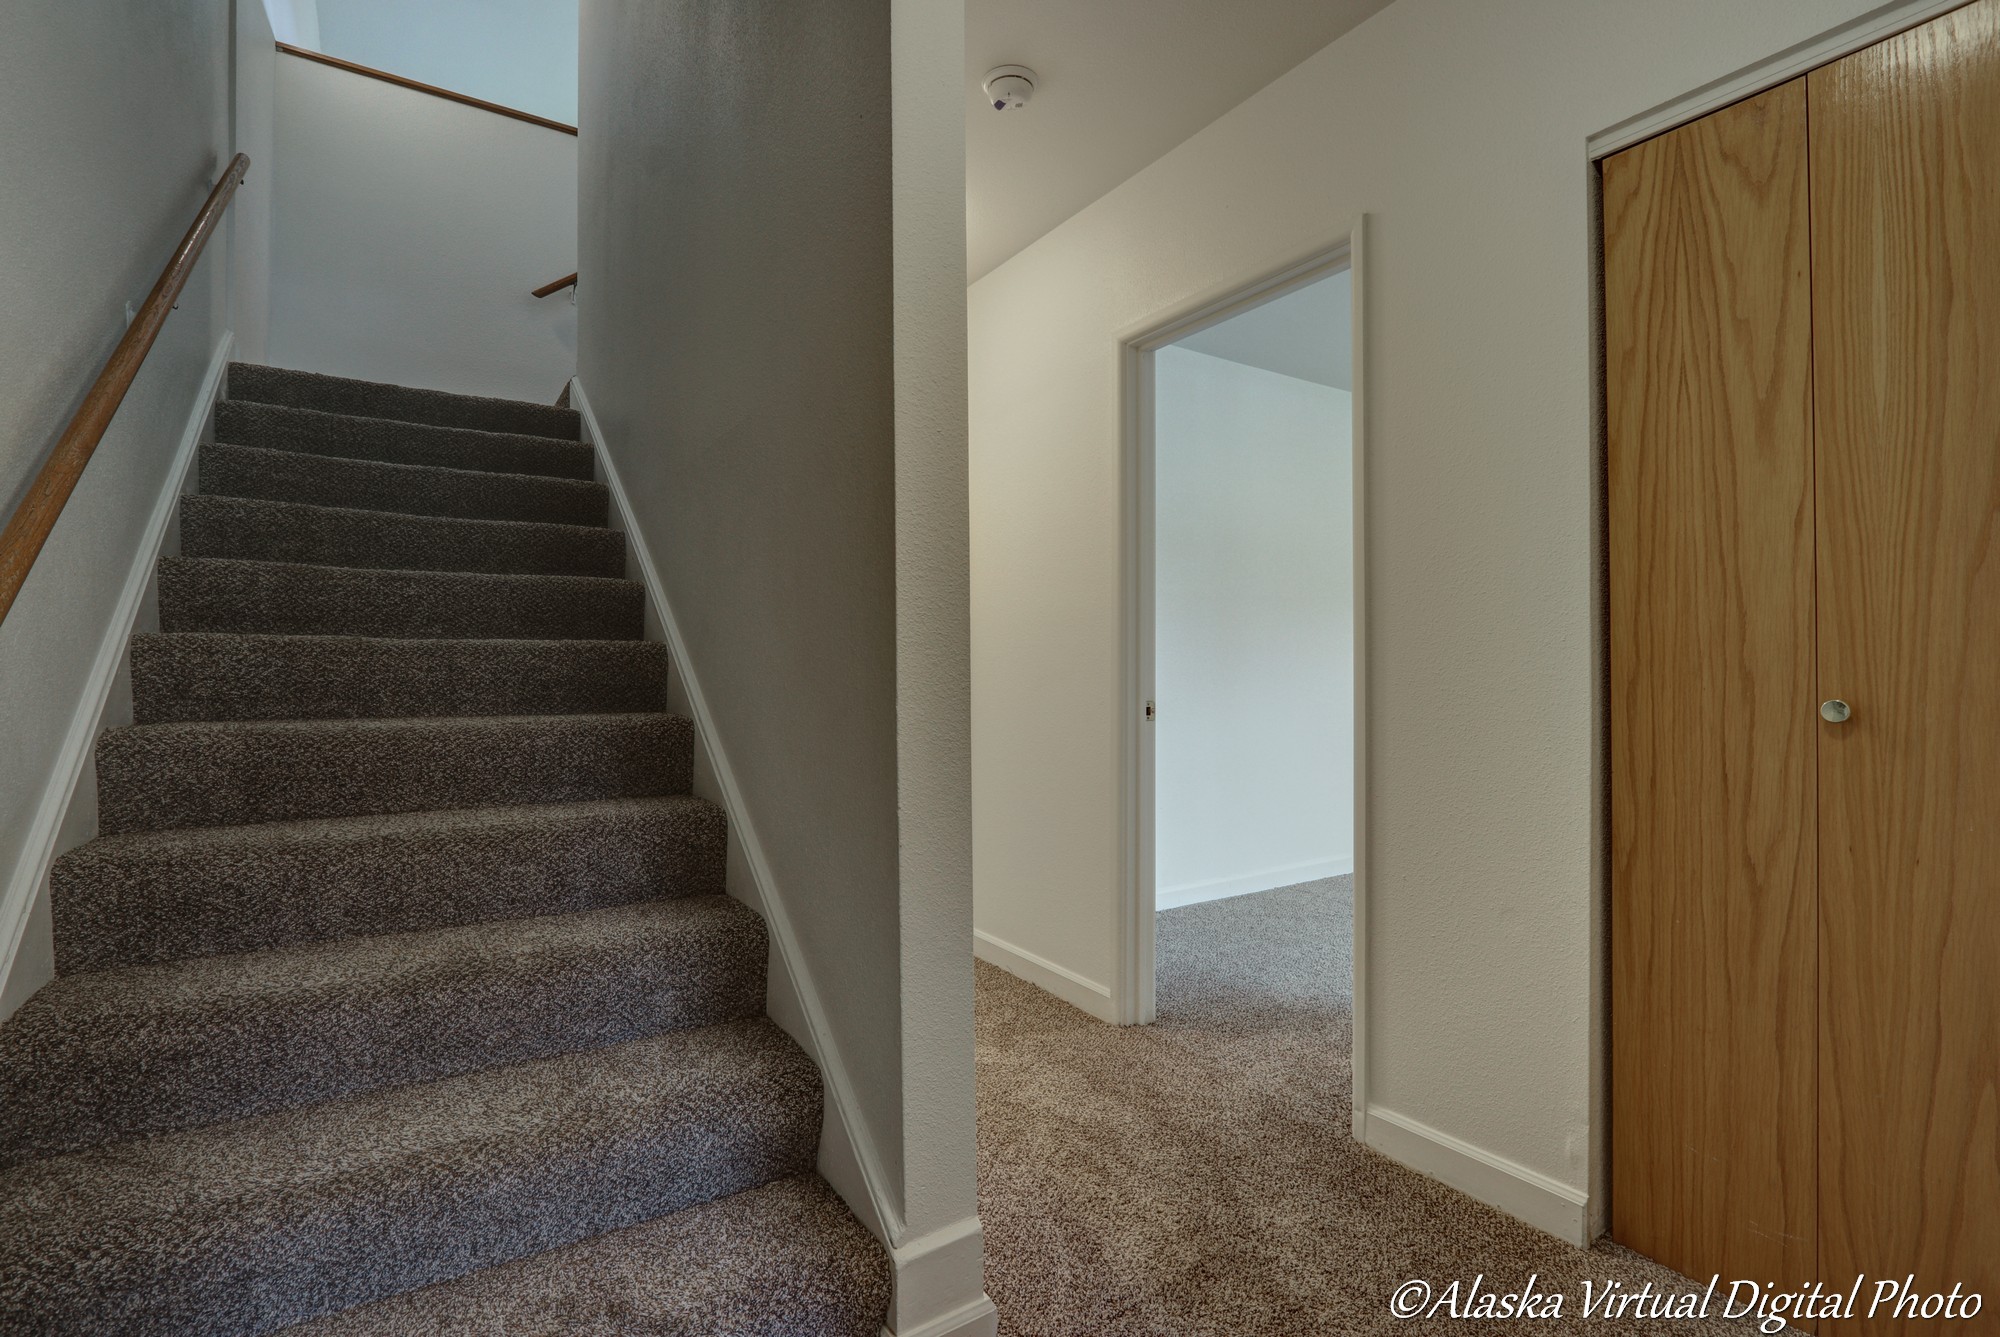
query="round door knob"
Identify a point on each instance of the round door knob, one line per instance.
(1835, 711)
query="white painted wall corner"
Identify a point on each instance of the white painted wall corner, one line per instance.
(1527, 1195)
(930, 1269)
(295, 21)
(67, 813)
(848, 1158)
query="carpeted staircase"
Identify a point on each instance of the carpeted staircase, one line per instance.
(399, 994)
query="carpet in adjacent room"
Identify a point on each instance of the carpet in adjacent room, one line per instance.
(1199, 1176)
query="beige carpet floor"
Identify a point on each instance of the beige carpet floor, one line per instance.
(1199, 1176)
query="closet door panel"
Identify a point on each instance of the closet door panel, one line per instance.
(1906, 285)
(1708, 397)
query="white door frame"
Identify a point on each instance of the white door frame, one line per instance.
(1133, 998)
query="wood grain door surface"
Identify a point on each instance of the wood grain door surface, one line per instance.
(1708, 348)
(1802, 337)
(1905, 186)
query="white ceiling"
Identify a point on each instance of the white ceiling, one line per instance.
(1307, 333)
(1120, 82)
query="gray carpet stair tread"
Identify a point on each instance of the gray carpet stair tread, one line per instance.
(313, 432)
(229, 676)
(251, 530)
(401, 991)
(412, 489)
(154, 776)
(287, 598)
(372, 399)
(158, 896)
(781, 1260)
(118, 1054)
(245, 1227)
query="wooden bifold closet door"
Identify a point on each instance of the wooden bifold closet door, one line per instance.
(1906, 348)
(1708, 378)
(1802, 335)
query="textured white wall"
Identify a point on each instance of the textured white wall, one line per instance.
(1254, 629)
(772, 341)
(1459, 127)
(518, 53)
(409, 231)
(253, 118)
(117, 125)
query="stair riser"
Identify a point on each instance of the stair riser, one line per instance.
(404, 952)
(334, 394)
(263, 531)
(284, 599)
(209, 677)
(274, 427)
(78, 1084)
(784, 1259)
(368, 485)
(277, 1256)
(125, 904)
(166, 776)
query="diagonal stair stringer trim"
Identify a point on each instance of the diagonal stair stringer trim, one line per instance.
(847, 1146)
(60, 817)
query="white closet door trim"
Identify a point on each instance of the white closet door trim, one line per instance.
(1793, 61)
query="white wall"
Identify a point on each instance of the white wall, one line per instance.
(253, 122)
(1459, 127)
(1253, 631)
(518, 53)
(409, 231)
(117, 125)
(775, 356)
(294, 22)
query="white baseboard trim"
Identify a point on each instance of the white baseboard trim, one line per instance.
(847, 1150)
(977, 1319)
(1064, 983)
(938, 1285)
(1264, 879)
(1527, 1195)
(29, 881)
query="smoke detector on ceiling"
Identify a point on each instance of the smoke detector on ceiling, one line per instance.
(1009, 87)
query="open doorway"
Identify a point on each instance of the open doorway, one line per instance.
(1245, 632)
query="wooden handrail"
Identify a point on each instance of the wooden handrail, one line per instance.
(466, 99)
(550, 289)
(28, 529)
